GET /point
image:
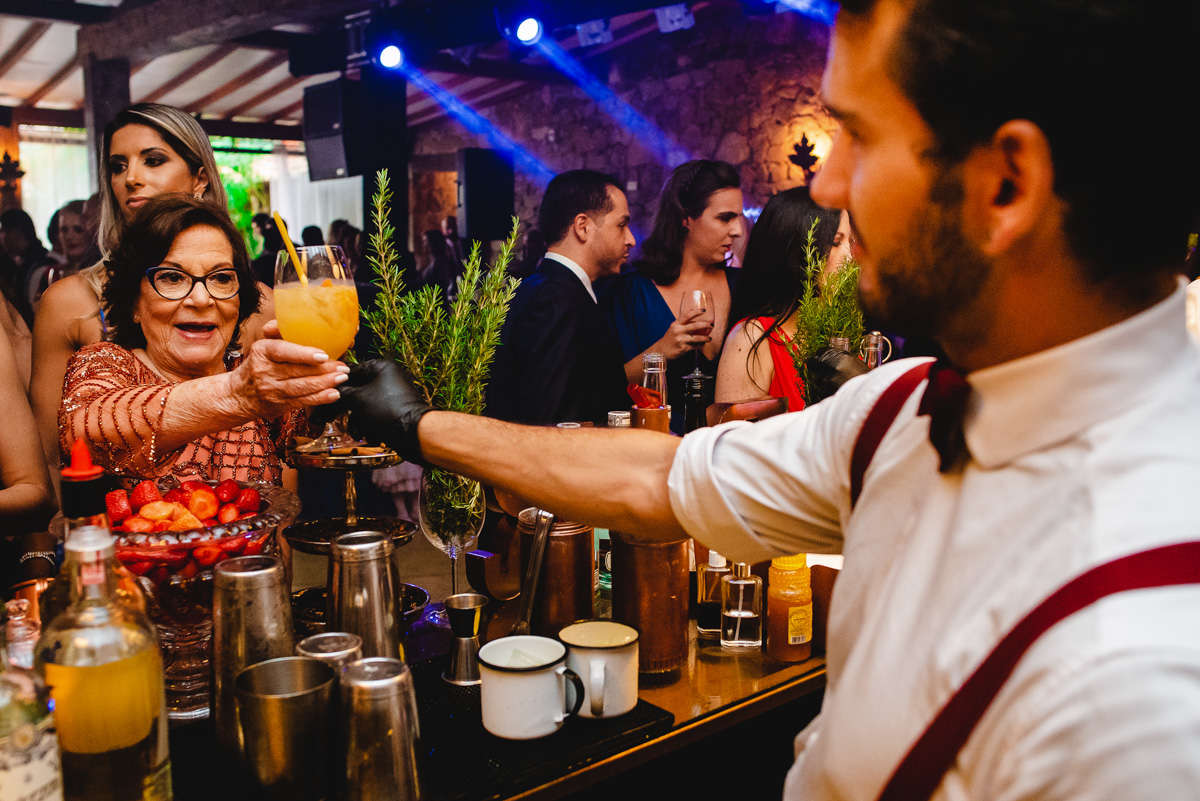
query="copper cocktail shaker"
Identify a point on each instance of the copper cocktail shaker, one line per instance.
(650, 593)
(564, 590)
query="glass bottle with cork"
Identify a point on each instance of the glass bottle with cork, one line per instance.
(83, 507)
(789, 609)
(101, 661)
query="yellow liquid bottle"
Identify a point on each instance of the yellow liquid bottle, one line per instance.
(101, 661)
(318, 315)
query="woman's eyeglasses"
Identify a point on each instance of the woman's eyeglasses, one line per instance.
(174, 284)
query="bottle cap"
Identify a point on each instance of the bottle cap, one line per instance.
(741, 570)
(794, 562)
(90, 543)
(81, 468)
(716, 560)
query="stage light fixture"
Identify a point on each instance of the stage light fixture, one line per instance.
(391, 57)
(674, 18)
(529, 31)
(595, 32)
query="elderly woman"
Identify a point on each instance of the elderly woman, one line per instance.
(158, 398)
(148, 150)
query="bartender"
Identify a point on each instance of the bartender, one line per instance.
(973, 159)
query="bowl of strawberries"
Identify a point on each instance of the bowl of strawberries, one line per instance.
(171, 534)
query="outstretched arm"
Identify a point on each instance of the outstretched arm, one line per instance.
(616, 479)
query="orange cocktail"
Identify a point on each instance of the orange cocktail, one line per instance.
(322, 314)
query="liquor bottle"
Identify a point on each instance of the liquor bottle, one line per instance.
(20, 632)
(708, 595)
(741, 608)
(83, 507)
(101, 661)
(695, 405)
(29, 766)
(789, 609)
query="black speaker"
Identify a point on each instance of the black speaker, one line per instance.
(336, 137)
(485, 194)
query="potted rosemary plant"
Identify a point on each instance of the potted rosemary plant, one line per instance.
(448, 347)
(824, 312)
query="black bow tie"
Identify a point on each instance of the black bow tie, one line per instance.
(945, 401)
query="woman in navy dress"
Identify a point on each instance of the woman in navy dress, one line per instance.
(699, 219)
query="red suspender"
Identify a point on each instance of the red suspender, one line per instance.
(878, 421)
(927, 761)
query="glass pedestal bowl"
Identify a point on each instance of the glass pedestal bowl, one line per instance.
(175, 570)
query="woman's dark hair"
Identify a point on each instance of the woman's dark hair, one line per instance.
(775, 268)
(685, 195)
(146, 243)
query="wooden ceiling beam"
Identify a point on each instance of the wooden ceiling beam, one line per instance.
(170, 26)
(56, 11)
(49, 86)
(286, 111)
(266, 94)
(35, 31)
(261, 68)
(202, 64)
(73, 118)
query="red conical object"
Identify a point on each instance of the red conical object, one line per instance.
(82, 468)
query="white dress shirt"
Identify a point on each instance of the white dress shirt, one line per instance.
(574, 267)
(1078, 455)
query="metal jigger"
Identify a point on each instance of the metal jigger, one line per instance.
(465, 611)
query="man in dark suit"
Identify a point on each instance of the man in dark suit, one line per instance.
(558, 360)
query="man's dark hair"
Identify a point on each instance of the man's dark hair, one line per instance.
(272, 239)
(146, 243)
(1077, 69)
(570, 194)
(685, 195)
(311, 235)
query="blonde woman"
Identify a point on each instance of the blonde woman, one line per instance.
(149, 149)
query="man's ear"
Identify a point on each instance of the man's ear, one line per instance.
(1009, 187)
(581, 227)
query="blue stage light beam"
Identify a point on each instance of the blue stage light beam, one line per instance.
(474, 122)
(822, 10)
(648, 135)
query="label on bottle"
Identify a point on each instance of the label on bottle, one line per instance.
(29, 765)
(800, 622)
(156, 786)
(91, 573)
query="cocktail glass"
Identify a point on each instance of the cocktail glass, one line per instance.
(450, 514)
(316, 304)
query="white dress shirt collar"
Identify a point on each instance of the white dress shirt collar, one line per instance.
(575, 268)
(1030, 403)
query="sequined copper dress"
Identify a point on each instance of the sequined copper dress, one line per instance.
(121, 403)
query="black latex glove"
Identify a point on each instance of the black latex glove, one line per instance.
(384, 406)
(828, 369)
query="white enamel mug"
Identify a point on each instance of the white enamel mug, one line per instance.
(605, 655)
(524, 687)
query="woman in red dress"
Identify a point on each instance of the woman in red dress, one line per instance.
(756, 361)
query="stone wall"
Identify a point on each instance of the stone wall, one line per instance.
(735, 87)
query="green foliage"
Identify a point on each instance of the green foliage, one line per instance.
(247, 194)
(824, 312)
(448, 348)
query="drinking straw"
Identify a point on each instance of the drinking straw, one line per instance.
(335, 264)
(291, 249)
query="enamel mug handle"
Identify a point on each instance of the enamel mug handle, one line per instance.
(598, 675)
(577, 684)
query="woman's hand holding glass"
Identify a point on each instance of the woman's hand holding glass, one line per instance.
(689, 332)
(278, 375)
